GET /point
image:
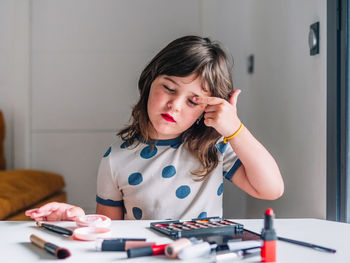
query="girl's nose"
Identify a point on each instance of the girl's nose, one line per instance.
(174, 104)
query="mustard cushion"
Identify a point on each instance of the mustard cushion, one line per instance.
(2, 141)
(20, 189)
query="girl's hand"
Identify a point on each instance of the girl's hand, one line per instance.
(221, 114)
(55, 212)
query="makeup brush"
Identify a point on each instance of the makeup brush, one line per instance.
(56, 229)
(59, 252)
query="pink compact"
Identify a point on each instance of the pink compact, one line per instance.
(92, 227)
(93, 221)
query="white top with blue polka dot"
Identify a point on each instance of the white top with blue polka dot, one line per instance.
(158, 184)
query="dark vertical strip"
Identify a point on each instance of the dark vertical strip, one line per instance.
(346, 217)
(343, 108)
(338, 157)
(333, 72)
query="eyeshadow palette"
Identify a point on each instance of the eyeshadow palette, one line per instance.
(198, 227)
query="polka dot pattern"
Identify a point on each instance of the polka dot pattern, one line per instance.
(203, 215)
(124, 145)
(220, 189)
(168, 171)
(175, 146)
(108, 152)
(147, 152)
(137, 212)
(135, 179)
(222, 147)
(183, 191)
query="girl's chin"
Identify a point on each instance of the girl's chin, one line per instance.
(164, 135)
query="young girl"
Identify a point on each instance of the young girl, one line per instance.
(184, 137)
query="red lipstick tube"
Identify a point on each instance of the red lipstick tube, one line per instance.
(146, 251)
(269, 237)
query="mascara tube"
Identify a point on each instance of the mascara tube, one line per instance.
(121, 244)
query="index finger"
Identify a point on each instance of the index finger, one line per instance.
(48, 207)
(208, 100)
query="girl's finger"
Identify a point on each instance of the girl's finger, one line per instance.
(208, 100)
(30, 211)
(210, 115)
(211, 108)
(234, 97)
(73, 213)
(40, 214)
(49, 207)
(39, 218)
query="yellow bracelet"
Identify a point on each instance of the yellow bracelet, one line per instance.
(226, 139)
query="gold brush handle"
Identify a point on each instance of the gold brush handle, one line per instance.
(37, 240)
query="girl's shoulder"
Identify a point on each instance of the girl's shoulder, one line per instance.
(223, 147)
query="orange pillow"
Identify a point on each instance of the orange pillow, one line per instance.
(2, 140)
(20, 189)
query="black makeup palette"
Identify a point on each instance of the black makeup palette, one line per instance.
(198, 227)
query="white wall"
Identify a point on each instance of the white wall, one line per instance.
(86, 60)
(284, 102)
(73, 74)
(5, 82)
(15, 79)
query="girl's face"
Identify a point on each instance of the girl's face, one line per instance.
(170, 106)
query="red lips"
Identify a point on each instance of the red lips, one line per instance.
(167, 117)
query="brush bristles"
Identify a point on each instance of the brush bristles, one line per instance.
(62, 253)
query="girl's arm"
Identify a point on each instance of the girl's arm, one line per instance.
(113, 212)
(259, 174)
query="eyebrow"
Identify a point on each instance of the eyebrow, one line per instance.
(173, 81)
(177, 84)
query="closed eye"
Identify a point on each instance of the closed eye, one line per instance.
(168, 89)
(193, 103)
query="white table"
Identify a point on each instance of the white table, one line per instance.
(16, 247)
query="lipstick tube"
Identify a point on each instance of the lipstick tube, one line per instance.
(173, 249)
(121, 244)
(146, 251)
(269, 237)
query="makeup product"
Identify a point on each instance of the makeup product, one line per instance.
(120, 244)
(268, 235)
(91, 233)
(56, 229)
(222, 256)
(59, 252)
(197, 227)
(146, 251)
(203, 249)
(173, 249)
(244, 245)
(305, 244)
(92, 227)
(93, 221)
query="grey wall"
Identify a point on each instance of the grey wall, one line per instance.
(73, 74)
(284, 102)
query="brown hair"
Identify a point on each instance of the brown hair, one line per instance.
(183, 57)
